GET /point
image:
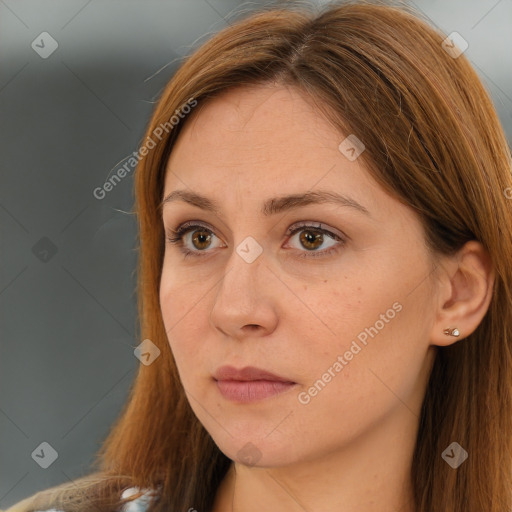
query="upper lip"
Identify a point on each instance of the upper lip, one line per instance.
(245, 374)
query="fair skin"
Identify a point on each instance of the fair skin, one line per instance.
(350, 446)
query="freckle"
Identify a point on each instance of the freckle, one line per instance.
(325, 280)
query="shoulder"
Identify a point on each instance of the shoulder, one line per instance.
(139, 504)
(43, 500)
(23, 505)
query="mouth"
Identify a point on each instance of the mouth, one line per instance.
(251, 390)
(250, 384)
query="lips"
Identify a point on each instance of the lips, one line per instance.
(250, 384)
(249, 373)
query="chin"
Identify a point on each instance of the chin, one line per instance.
(257, 451)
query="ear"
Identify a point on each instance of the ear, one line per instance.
(464, 293)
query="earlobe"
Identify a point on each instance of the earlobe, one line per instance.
(468, 284)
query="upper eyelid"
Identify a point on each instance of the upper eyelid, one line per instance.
(299, 223)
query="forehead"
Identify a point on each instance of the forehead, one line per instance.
(266, 137)
(247, 107)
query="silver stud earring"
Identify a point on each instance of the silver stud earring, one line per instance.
(452, 332)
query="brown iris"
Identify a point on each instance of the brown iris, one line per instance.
(203, 237)
(309, 237)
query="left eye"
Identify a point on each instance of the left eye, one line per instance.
(311, 238)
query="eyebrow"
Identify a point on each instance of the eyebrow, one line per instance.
(271, 206)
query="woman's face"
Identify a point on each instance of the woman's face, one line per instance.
(343, 313)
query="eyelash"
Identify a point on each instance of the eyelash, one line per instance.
(176, 237)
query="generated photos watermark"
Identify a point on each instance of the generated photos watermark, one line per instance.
(101, 192)
(341, 361)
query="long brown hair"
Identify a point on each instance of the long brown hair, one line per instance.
(433, 140)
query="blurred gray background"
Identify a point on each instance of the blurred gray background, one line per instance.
(69, 119)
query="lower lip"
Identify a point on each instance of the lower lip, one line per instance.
(251, 390)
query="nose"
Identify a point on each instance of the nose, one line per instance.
(246, 300)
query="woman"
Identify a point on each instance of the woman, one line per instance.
(325, 198)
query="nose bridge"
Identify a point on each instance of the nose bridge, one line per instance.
(242, 297)
(244, 267)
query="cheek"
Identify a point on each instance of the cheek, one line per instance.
(181, 294)
(367, 327)
(181, 307)
(350, 386)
